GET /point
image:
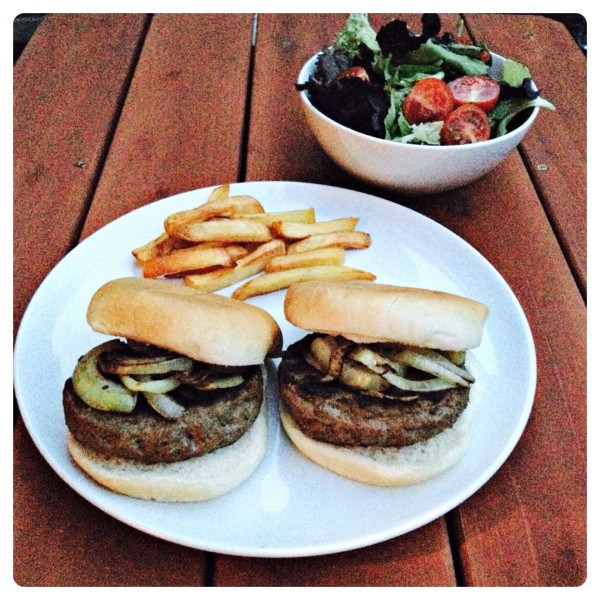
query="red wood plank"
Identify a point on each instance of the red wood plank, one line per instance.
(541, 525)
(555, 149)
(182, 124)
(61, 540)
(416, 559)
(60, 132)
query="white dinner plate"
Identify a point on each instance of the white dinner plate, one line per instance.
(289, 506)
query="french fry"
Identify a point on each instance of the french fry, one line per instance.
(271, 282)
(230, 207)
(341, 239)
(158, 246)
(295, 231)
(219, 193)
(230, 239)
(224, 230)
(191, 259)
(312, 258)
(246, 267)
(303, 215)
(263, 253)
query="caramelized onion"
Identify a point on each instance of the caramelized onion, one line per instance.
(205, 379)
(165, 406)
(375, 368)
(119, 363)
(351, 374)
(95, 389)
(433, 363)
(147, 384)
(417, 385)
(336, 357)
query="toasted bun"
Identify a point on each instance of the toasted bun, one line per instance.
(206, 327)
(372, 312)
(387, 467)
(191, 480)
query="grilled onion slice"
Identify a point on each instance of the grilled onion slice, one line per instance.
(147, 384)
(165, 406)
(417, 385)
(95, 389)
(351, 374)
(123, 363)
(392, 372)
(205, 379)
(434, 363)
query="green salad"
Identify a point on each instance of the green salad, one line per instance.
(420, 89)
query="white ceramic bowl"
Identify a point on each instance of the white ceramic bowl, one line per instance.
(408, 168)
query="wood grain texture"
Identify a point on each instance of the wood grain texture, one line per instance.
(60, 131)
(182, 124)
(420, 558)
(61, 540)
(542, 487)
(555, 148)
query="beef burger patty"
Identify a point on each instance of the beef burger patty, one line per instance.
(331, 412)
(211, 420)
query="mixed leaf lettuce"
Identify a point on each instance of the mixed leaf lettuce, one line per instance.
(394, 58)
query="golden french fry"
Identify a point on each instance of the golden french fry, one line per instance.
(271, 282)
(158, 246)
(191, 259)
(303, 215)
(224, 230)
(219, 193)
(264, 253)
(229, 207)
(340, 239)
(246, 267)
(295, 231)
(312, 258)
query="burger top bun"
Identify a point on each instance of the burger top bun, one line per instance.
(203, 326)
(372, 312)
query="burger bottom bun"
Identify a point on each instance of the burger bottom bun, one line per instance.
(200, 478)
(387, 467)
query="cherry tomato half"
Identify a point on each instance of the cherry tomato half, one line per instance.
(466, 124)
(430, 99)
(471, 89)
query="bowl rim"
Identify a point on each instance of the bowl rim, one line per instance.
(306, 68)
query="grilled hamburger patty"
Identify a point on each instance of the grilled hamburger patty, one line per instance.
(211, 420)
(333, 413)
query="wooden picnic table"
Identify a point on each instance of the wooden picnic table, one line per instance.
(113, 112)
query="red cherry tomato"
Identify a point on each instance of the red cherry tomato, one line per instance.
(466, 124)
(429, 100)
(470, 89)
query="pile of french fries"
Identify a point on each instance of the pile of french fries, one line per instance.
(231, 239)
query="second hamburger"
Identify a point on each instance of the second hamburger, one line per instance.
(379, 392)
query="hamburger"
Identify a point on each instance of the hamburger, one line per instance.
(379, 390)
(171, 408)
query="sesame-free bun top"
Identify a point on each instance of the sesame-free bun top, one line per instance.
(374, 312)
(204, 326)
